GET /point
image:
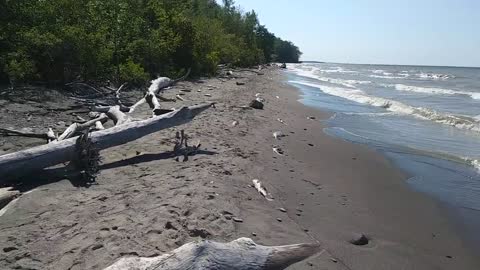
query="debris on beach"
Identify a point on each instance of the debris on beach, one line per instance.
(282, 210)
(277, 97)
(238, 220)
(278, 134)
(234, 123)
(311, 118)
(281, 121)
(180, 98)
(7, 195)
(207, 95)
(258, 95)
(256, 104)
(242, 253)
(261, 189)
(259, 99)
(278, 150)
(359, 240)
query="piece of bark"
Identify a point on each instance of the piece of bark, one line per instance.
(240, 254)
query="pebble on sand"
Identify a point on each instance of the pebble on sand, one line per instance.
(359, 240)
(279, 219)
(239, 220)
(282, 210)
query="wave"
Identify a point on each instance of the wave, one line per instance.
(431, 90)
(434, 76)
(387, 77)
(356, 95)
(312, 73)
(475, 163)
(402, 149)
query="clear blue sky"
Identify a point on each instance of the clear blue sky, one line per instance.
(417, 32)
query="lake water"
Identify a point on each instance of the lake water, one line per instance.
(426, 119)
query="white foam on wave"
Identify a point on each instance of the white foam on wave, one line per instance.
(387, 77)
(434, 76)
(312, 72)
(431, 90)
(476, 164)
(356, 95)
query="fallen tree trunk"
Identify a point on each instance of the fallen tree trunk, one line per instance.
(240, 254)
(23, 162)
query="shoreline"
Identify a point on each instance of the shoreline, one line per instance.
(147, 204)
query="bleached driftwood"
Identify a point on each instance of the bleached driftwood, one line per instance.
(156, 86)
(7, 195)
(27, 133)
(23, 162)
(240, 254)
(261, 189)
(75, 128)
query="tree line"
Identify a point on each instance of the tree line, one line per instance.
(60, 41)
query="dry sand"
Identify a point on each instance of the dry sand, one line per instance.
(145, 203)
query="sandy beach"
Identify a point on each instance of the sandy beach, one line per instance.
(146, 203)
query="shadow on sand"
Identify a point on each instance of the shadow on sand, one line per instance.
(77, 179)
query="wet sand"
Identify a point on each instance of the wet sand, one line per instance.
(145, 203)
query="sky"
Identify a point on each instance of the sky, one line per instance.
(407, 32)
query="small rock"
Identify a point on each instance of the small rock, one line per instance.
(207, 95)
(8, 249)
(97, 246)
(359, 240)
(282, 209)
(334, 260)
(239, 220)
(311, 118)
(254, 234)
(256, 104)
(234, 123)
(240, 83)
(279, 219)
(61, 123)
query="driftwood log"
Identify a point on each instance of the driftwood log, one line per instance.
(26, 161)
(156, 86)
(240, 254)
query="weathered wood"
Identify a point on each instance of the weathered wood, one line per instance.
(26, 161)
(7, 195)
(156, 86)
(240, 254)
(78, 127)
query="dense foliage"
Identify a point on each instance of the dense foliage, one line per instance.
(129, 40)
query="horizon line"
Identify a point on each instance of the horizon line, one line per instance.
(408, 65)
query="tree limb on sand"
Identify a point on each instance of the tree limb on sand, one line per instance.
(242, 253)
